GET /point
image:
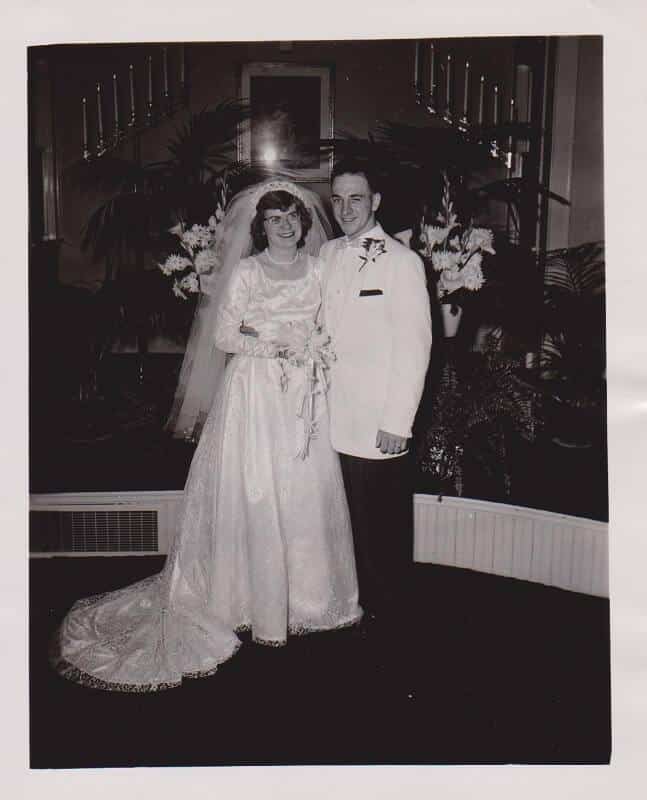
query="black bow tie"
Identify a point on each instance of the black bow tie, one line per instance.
(362, 242)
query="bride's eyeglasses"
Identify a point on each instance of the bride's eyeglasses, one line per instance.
(276, 219)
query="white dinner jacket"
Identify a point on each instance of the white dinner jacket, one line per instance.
(377, 314)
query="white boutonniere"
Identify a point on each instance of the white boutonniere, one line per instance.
(373, 249)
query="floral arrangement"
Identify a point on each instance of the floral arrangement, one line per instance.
(199, 256)
(373, 248)
(455, 251)
(309, 348)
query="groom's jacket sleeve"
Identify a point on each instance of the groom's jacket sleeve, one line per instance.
(409, 319)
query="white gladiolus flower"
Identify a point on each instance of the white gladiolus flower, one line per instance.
(205, 261)
(481, 239)
(174, 263)
(198, 237)
(433, 235)
(177, 291)
(190, 283)
(442, 260)
(473, 277)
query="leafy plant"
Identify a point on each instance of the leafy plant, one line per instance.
(130, 229)
(481, 400)
(572, 358)
(145, 199)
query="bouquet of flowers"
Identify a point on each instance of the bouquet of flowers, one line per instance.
(308, 347)
(199, 256)
(455, 251)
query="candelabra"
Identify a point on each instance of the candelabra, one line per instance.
(153, 111)
(478, 131)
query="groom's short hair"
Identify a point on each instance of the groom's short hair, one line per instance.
(357, 166)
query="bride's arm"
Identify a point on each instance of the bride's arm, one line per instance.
(235, 303)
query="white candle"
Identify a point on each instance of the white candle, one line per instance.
(481, 99)
(510, 136)
(115, 97)
(85, 124)
(432, 69)
(150, 80)
(165, 69)
(416, 65)
(99, 113)
(131, 78)
(495, 110)
(466, 89)
(448, 81)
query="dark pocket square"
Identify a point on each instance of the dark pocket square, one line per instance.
(370, 292)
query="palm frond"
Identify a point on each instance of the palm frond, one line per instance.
(109, 174)
(512, 191)
(577, 270)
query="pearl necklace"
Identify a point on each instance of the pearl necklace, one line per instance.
(281, 263)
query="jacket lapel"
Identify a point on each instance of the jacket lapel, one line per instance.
(360, 274)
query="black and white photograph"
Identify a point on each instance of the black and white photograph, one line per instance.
(312, 435)
(318, 415)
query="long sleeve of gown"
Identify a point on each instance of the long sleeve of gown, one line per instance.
(232, 314)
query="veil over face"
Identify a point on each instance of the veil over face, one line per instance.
(203, 365)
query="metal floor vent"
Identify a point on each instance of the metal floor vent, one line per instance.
(97, 531)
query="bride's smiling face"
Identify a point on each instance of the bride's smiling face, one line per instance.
(283, 228)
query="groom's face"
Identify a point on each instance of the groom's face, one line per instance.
(354, 204)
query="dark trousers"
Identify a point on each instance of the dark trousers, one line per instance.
(380, 498)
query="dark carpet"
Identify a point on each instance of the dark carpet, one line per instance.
(487, 670)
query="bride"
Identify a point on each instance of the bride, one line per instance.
(263, 540)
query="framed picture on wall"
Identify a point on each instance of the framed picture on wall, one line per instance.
(291, 110)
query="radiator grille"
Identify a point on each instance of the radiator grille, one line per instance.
(126, 531)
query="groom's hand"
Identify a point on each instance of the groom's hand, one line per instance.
(390, 442)
(247, 330)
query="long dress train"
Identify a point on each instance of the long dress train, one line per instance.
(264, 540)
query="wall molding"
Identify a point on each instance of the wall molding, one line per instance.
(516, 542)
(528, 544)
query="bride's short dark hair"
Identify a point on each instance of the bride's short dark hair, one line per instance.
(278, 200)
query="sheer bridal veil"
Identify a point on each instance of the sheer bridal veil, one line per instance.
(203, 364)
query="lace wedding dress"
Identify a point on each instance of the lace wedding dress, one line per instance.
(264, 540)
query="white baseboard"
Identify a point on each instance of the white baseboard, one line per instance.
(529, 544)
(532, 545)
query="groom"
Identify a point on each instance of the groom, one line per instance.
(376, 309)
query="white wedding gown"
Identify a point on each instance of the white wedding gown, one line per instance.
(264, 540)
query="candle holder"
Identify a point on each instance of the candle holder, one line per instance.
(131, 125)
(117, 136)
(431, 100)
(447, 114)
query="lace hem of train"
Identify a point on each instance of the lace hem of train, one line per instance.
(72, 673)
